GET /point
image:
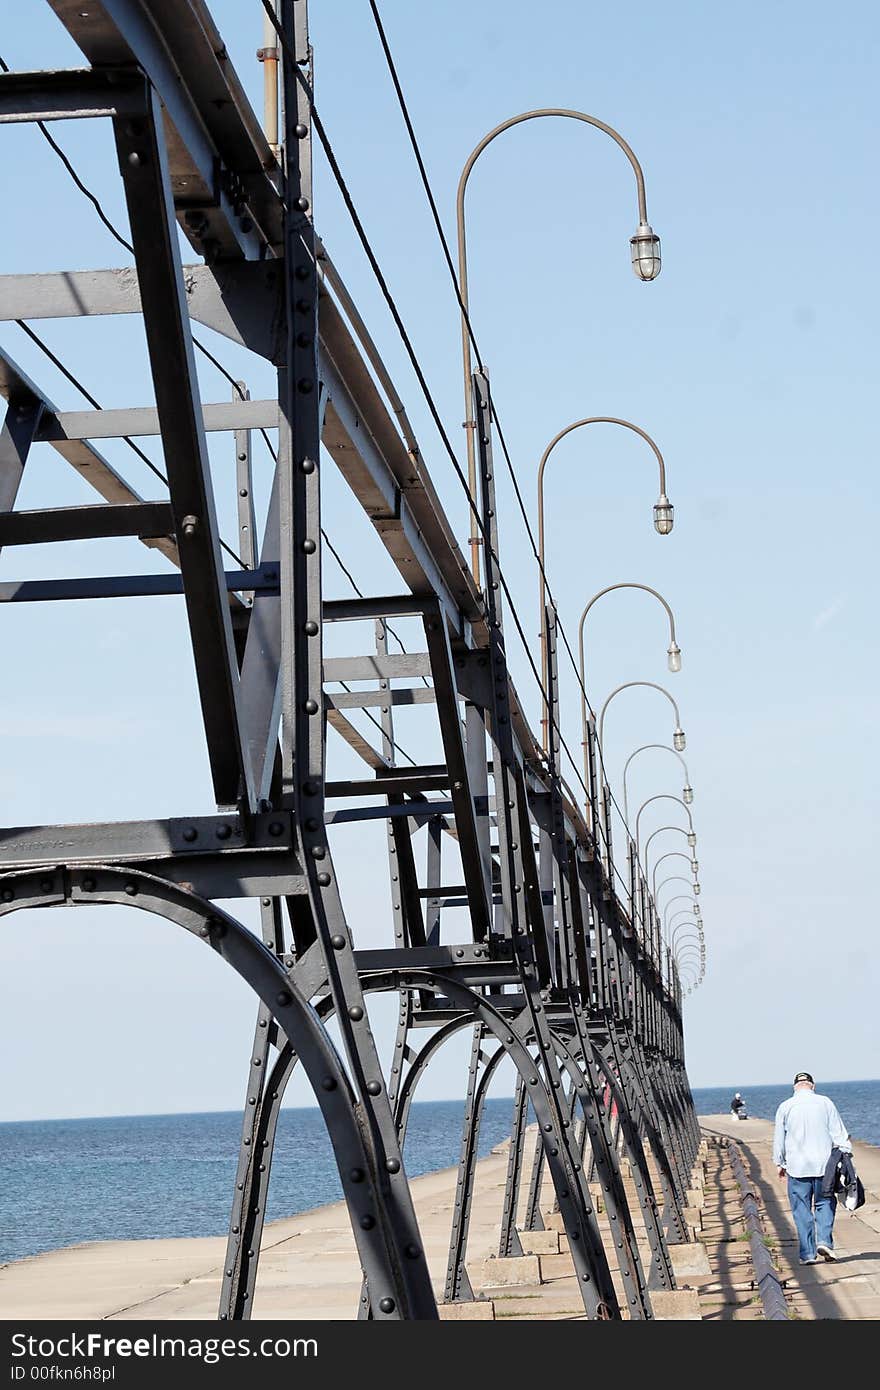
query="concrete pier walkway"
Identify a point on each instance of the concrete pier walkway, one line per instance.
(309, 1267)
(847, 1289)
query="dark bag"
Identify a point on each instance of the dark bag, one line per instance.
(853, 1194)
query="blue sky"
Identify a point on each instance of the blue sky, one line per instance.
(751, 360)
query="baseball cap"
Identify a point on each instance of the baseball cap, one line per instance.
(803, 1076)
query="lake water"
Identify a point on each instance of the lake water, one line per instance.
(67, 1181)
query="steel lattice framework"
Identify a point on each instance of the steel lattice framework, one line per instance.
(552, 972)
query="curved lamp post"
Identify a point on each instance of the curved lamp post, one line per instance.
(693, 911)
(679, 922)
(677, 878)
(691, 838)
(662, 796)
(672, 854)
(673, 651)
(678, 739)
(644, 254)
(687, 792)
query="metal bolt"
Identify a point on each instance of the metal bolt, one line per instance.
(337, 942)
(275, 829)
(189, 525)
(329, 1083)
(386, 1305)
(356, 1013)
(223, 831)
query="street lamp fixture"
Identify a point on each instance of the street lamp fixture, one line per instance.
(644, 253)
(687, 795)
(673, 652)
(692, 839)
(678, 740)
(664, 515)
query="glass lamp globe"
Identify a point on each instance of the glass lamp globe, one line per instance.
(678, 741)
(691, 839)
(687, 795)
(644, 250)
(664, 515)
(674, 655)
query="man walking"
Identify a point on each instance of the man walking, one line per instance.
(808, 1127)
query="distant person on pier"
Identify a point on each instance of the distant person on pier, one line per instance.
(738, 1108)
(808, 1127)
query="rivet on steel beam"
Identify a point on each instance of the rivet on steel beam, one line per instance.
(368, 1222)
(223, 831)
(323, 880)
(8, 895)
(310, 628)
(311, 706)
(284, 997)
(300, 131)
(386, 1305)
(329, 1083)
(305, 386)
(189, 525)
(356, 1175)
(302, 272)
(276, 828)
(373, 1088)
(88, 885)
(309, 547)
(356, 1013)
(45, 885)
(337, 942)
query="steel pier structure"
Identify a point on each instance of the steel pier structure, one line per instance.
(552, 972)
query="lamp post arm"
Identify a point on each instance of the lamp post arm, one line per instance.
(670, 854)
(644, 746)
(652, 685)
(661, 796)
(681, 830)
(671, 878)
(680, 898)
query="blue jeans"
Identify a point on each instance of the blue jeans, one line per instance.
(813, 1214)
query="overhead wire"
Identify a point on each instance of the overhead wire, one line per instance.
(87, 395)
(318, 126)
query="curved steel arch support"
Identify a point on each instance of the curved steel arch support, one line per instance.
(355, 1157)
(591, 1263)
